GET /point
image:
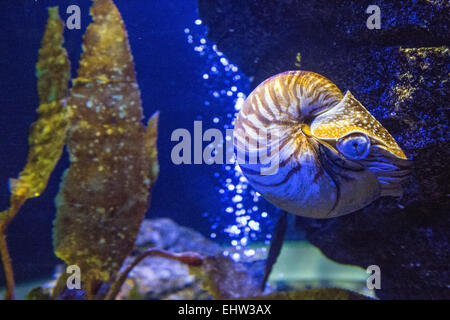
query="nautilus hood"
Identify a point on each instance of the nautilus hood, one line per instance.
(312, 151)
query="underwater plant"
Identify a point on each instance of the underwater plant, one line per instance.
(47, 134)
(113, 158)
(104, 194)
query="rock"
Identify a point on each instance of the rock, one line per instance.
(160, 278)
(263, 37)
(165, 234)
(225, 278)
(400, 74)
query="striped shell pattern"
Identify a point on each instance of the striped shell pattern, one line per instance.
(312, 151)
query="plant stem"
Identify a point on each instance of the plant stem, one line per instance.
(7, 266)
(188, 258)
(5, 218)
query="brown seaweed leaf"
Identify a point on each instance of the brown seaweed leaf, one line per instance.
(47, 134)
(113, 161)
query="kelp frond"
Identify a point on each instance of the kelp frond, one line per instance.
(113, 162)
(47, 134)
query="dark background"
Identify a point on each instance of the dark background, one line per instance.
(170, 78)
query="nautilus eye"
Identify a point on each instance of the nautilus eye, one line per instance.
(327, 155)
(354, 146)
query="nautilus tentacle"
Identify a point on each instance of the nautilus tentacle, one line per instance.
(313, 151)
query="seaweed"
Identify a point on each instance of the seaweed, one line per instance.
(47, 134)
(105, 192)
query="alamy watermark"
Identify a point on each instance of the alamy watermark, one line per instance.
(374, 20)
(74, 280)
(374, 280)
(74, 20)
(260, 151)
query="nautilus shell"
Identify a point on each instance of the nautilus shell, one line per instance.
(312, 151)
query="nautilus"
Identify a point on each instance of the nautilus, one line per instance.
(313, 151)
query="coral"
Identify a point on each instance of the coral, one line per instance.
(104, 194)
(47, 134)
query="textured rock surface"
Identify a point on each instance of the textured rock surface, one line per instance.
(400, 73)
(160, 278)
(165, 234)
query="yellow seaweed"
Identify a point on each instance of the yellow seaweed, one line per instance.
(47, 134)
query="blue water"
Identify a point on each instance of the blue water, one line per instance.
(180, 73)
